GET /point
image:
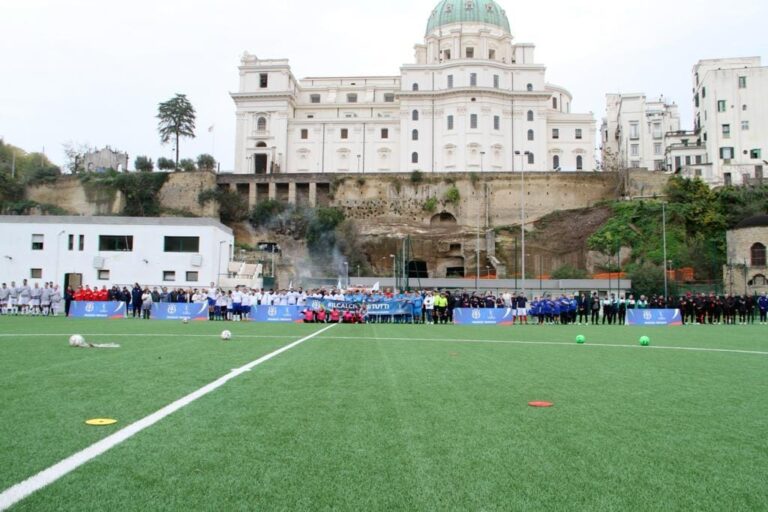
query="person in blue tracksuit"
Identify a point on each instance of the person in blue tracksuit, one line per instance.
(762, 306)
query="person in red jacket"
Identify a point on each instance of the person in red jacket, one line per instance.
(88, 294)
(102, 295)
(321, 315)
(80, 294)
(309, 316)
(349, 318)
(335, 316)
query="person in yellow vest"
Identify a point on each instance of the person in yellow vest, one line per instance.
(441, 304)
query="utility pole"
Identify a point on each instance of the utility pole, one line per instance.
(664, 242)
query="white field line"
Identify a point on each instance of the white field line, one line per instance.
(18, 492)
(557, 343)
(174, 335)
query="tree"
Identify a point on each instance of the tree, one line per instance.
(177, 119)
(75, 153)
(165, 164)
(206, 162)
(187, 165)
(144, 163)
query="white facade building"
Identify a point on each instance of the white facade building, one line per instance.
(634, 129)
(473, 100)
(98, 251)
(731, 116)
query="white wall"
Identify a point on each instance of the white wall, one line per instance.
(144, 264)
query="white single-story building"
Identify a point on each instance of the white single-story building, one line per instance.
(98, 251)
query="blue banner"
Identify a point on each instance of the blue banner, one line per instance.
(110, 310)
(277, 314)
(484, 316)
(382, 308)
(653, 317)
(197, 311)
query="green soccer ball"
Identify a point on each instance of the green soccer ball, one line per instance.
(580, 339)
(645, 341)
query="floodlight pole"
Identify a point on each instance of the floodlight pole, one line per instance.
(664, 243)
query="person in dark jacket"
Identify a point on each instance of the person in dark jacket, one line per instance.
(136, 300)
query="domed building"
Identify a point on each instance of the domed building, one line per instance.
(474, 100)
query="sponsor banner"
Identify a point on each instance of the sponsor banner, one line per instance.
(277, 314)
(110, 310)
(654, 317)
(382, 308)
(197, 311)
(484, 316)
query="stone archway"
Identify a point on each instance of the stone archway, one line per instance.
(443, 219)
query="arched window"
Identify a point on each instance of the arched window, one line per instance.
(529, 87)
(414, 158)
(758, 280)
(415, 115)
(530, 115)
(579, 163)
(415, 87)
(415, 135)
(556, 162)
(261, 124)
(758, 255)
(530, 134)
(530, 158)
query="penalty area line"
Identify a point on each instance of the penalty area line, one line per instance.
(556, 343)
(18, 492)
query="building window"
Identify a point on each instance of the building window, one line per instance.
(115, 243)
(555, 133)
(473, 121)
(192, 277)
(657, 148)
(450, 122)
(742, 82)
(726, 131)
(756, 154)
(415, 115)
(314, 98)
(352, 97)
(37, 242)
(656, 130)
(634, 150)
(530, 158)
(182, 244)
(415, 135)
(495, 81)
(745, 125)
(496, 123)
(634, 130)
(556, 162)
(529, 87)
(554, 103)
(758, 255)
(759, 280)
(721, 106)
(71, 242)
(688, 160)
(415, 87)
(530, 115)
(389, 97)
(263, 80)
(36, 273)
(304, 134)
(473, 79)
(530, 135)
(703, 92)
(450, 81)
(726, 153)
(579, 162)
(261, 124)
(744, 108)
(470, 53)
(385, 133)
(658, 165)
(103, 275)
(81, 243)
(169, 275)
(491, 54)
(414, 158)
(345, 133)
(578, 134)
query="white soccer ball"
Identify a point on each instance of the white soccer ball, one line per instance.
(185, 320)
(76, 341)
(226, 335)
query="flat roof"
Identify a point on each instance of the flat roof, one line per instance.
(114, 221)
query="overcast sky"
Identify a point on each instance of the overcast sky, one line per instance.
(93, 72)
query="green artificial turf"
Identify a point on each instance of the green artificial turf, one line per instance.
(391, 417)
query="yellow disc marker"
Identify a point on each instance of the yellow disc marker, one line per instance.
(100, 422)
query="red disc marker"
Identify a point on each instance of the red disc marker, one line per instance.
(541, 404)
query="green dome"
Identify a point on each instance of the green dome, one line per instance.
(468, 11)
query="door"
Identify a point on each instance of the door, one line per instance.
(260, 164)
(73, 280)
